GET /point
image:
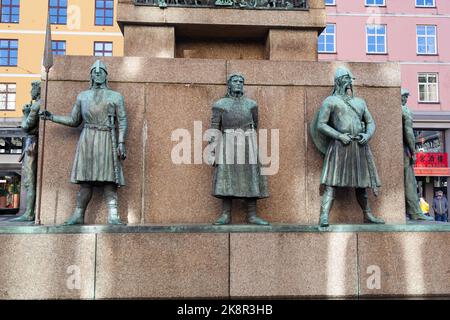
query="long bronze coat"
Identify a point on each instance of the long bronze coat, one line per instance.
(411, 196)
(349, 165)
(94, 156)
(30, 125)
(236, 175)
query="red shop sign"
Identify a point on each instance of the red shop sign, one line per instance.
(431, 160)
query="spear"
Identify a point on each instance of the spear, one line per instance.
(48, 64)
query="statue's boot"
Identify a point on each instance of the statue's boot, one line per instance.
(112, 203)
(225, 217)
(325, 206)
(421, 216)
(363, 200)
(27, 216)
(254, 219)
(251, 214)
(83, 198)
(114, 217)
(76, 218)
(370, 218)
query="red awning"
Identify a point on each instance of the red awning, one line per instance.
(432, 172)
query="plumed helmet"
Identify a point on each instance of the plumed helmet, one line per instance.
(405, 92)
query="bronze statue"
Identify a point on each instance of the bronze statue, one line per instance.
(409, 158)
(237, 171)
(30, 125)
(341, 130)
(99, 149)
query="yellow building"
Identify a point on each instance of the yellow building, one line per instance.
(78, 23)
(79, 27)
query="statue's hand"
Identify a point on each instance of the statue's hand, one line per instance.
(364, 138)
(36, 107)
(211, 159)
(122, 151)
(345, 138)
(46, 115)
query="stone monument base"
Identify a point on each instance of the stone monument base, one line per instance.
(239, 261)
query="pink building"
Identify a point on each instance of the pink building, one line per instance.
(415, 33)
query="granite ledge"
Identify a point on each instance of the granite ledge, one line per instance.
(206, 228)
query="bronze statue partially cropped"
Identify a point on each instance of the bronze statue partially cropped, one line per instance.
(30, 125)
(341, 130)
(237, 172)
(409, 158)
(99, 148)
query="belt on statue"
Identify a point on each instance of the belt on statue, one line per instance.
(96, 127)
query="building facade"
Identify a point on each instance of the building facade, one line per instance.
(413, 33)
(79, 27)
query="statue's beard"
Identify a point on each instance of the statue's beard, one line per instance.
(345, 90)
(348, 90)
(236, 93)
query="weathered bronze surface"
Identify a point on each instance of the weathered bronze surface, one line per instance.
(243, 4)
(341, 130)
(237, 171)
(30, 125)
(409, 158)
(99, 148)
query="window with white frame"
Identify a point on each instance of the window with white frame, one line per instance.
(330, 2)
(426, 39)
(327, 39)
(428, 87)
(377, 3)
(104, 49)
(425, 3)
(7, 96)
(376, 39)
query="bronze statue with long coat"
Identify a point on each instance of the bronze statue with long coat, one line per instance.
(237, 171)
(101, 144)
(341, 130)
(30, 126)
(409, 159)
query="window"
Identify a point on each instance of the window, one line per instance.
(376, 38)
(59, 47)
(103, 49)
(58, 11)
(8, 52)
(104, 12)
(377, 3)
(7, 96)
(10, 11)
(330, 2)
(426, 39)
(430, 140)
(425, 3)
(327, 39)
(11, 145)
(428, 87)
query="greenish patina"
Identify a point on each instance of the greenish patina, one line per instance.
(30, 125)
(409, 158)
(237, 168)
(99, 148)
(341, 130)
